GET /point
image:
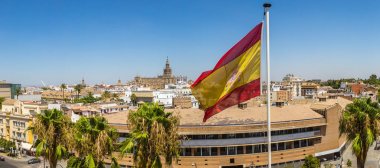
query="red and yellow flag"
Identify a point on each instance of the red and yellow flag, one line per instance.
(234, 79)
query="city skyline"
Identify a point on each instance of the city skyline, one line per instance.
(62, 42)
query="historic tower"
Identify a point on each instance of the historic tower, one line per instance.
(167, 70)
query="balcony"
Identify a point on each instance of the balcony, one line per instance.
(18, 138)
(253, 140)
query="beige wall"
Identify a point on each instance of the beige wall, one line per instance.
(331, 139)
(5, 92)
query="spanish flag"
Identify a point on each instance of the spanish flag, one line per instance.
(234, 79)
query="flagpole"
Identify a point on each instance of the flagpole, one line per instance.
(266, 13)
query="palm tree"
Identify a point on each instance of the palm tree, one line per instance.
(78, 88)
(115, 96)
(63, 87)
(93, 141)
(106, 95)
(53, 130)
(2, 99)
(18, 92)
(360, 123)
(154, 134)
(133, 99)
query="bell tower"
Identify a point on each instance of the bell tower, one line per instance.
(167, 70)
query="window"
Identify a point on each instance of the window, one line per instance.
(310, 142)
(239, 135)
(214, 151)
(281, 146)
(274, 147)
(223, 151)
(296, 144)
(288, 145)
(264, 148)
(182, 153)
(187, 151)
(303, 143)
(212, 136)
(257, 149)
(230, 136)
(198, 152)
(206, 152)
(248, 149)
(199, 136)
(240, 150)
(247, 135)
(231, 150)
(288, 131)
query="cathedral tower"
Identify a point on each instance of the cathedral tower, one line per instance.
(167, 70)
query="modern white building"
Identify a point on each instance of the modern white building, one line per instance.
(164, 97)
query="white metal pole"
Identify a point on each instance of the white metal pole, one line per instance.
(266, 8)
(261, 67)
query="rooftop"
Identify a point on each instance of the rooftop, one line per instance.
(252, 114)
(9, 102)
(330, 102)
(119, 117)
(143, 94)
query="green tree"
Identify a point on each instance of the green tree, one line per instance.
(311, 162)
(18, 92)
(349, 163)
(2, 99)
(329, 165)
(53, 130)
(78, 88)
(45, 88)
(106, 96)
(63, 87)
(373, 80)
(360, 123)
(93, 141)
(115, 97)
(7, 144)
(87, 99)
(154, 134)
(133, 99)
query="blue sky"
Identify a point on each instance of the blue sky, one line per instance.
(62, 41)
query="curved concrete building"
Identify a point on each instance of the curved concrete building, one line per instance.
(236, 138)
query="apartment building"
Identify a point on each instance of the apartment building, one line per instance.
(15, 118)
